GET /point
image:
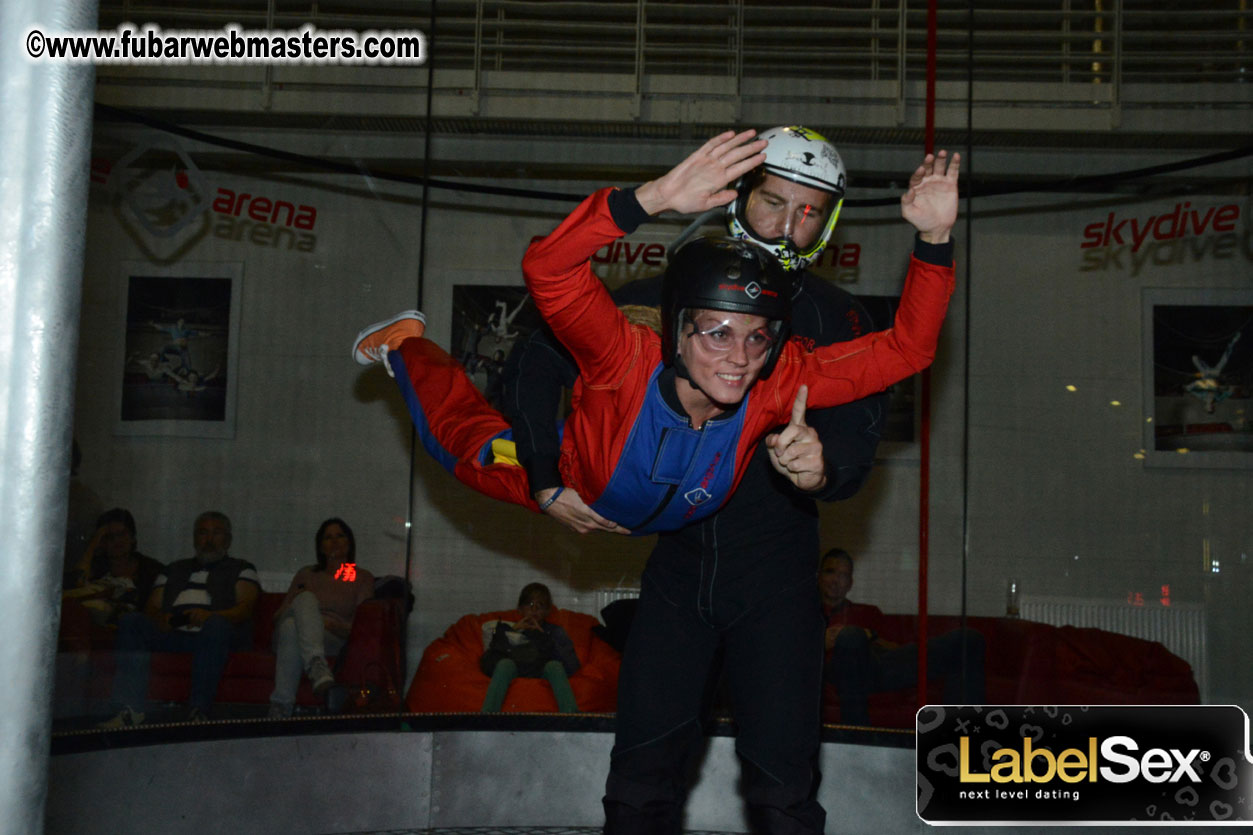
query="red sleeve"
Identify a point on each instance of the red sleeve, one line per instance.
(846, 371)
(865, 616)
(861, 615)
(571, 298)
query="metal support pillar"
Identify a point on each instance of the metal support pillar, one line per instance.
(45, 134)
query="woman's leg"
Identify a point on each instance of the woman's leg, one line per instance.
(556, 675)
(502, 676)
(312, 636)
(288, 665)
(307, 614)
(455, 422)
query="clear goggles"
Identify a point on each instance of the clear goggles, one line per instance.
(778, 218)
(719, 337)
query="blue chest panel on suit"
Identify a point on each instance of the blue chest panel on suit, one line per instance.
(671, 475)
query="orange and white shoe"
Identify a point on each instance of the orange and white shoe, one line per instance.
(376, 340)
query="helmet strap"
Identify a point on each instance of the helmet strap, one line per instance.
(680, 371)
(680, 368)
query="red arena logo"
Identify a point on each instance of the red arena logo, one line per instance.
(174, 201)
(264, 209)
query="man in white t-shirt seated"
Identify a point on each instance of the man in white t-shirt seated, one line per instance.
(202, 605)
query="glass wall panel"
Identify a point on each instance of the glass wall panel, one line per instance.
(1087, 489)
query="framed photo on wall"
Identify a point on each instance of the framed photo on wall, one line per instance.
(180, 334)
(488, 320)
(1198, 377)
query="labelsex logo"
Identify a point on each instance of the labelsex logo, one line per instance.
(1040, 765)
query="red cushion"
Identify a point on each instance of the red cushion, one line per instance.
(1035, 663)
(249, 674)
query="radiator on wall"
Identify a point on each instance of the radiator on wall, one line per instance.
(1179, 627)
(606, 596)
(274, 581)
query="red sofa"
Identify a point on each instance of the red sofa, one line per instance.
(448, 679)
(376, 635)
(1036, 663)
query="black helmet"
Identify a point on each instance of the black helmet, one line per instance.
(724, 274)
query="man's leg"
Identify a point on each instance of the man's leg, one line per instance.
(660, 690)
(851, 672)
(897, 668)
(957, 657)
(138, 637)
(774, 667)
(455, 422)
(212, 646)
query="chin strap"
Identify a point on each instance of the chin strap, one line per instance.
(680, 372)
(680, 367)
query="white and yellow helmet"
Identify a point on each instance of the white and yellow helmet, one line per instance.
(803, 156)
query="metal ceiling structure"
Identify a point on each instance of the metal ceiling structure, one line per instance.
(1021, 73)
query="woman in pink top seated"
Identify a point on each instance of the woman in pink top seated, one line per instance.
(316, 616)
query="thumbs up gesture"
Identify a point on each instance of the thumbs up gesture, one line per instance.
(796, 451)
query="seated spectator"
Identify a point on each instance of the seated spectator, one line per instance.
(315, 617)
(112, 577)
(859, 662)
(202, 605)
(530, 647)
